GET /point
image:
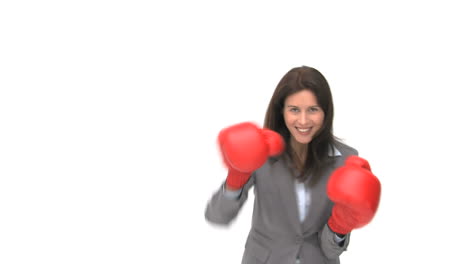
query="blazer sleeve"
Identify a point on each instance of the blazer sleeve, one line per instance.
(222, 209)
(330, 248)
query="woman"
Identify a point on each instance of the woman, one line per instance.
(303, 213)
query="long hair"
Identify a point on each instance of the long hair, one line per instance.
(296, 80)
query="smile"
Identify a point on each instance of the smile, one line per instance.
(304, 130)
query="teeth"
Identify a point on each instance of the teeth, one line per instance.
(303, 130)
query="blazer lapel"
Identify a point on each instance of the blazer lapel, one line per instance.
(283, 177)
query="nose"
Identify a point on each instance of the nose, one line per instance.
(303, 119)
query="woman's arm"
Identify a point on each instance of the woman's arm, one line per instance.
(330, 242)
(223, 206)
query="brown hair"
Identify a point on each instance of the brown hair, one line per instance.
(296, 80)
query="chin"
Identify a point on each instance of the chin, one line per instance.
(303, 140)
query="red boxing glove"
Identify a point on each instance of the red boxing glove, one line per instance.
(356, 193)
(245, 148)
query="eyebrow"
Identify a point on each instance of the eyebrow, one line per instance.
(298, 106)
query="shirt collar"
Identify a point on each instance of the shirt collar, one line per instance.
(336, 152)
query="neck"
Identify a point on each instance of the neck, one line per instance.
(300, 150)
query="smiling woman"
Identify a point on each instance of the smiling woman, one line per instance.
(311, 190)
(301, 109)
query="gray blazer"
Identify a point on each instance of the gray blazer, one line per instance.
(277, 236)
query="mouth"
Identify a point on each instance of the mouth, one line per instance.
(304, 131)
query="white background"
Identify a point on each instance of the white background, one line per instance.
(109, 112)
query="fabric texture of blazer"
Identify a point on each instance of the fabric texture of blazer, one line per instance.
(277, 236)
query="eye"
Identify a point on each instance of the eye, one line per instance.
(314, 109)
(294, 109)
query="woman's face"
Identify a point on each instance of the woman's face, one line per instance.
(303, 116)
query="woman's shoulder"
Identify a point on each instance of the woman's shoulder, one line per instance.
(345, 149)
(273, 161)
